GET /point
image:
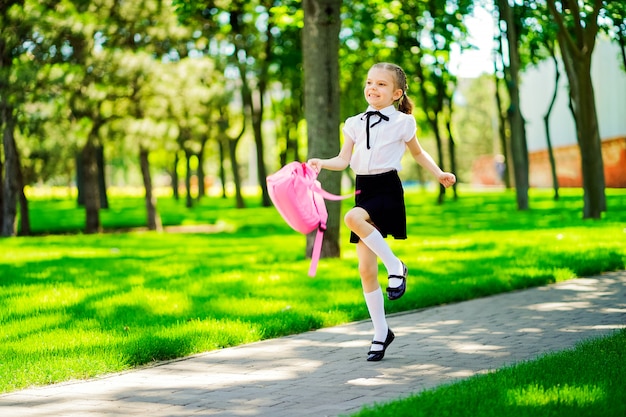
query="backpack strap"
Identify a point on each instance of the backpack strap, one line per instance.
(316, 187)
(317, 250)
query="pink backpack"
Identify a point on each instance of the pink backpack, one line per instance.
(299, 198)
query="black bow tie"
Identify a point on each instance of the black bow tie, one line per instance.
(367, 116)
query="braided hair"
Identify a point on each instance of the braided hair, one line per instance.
(405, 105)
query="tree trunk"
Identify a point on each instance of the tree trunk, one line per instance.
(201, 174)
(91, 191)
(234, 165)
(102, 187)
(257, 128)
(451, 146)
(175, 177)
(291, 121)
(502, 121)
(438, 140)
(320, 39)
(590, 146)
(1, 192)
(576, 51)
(519, 150)
(80, 178)
(255, 111)
(188, 198)
(504, 143)
(282, 156)
(11, 186)
(296, 107)
(433, 119)
(24, 214)
(222, 168)
(231, 143)
(546, 122)
(153, 219)
(432, 116)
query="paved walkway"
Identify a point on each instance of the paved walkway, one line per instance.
(324, 373)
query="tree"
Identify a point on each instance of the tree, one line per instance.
(427, 32)
(247, 28)
(578, 28)
(94, 37)
(538, 40)
(287, 89)
(27, 44)
(191, 86)
(519, 148)
(17, 42)
(138, 125)
(546, 118)
(229, 142)
(320, 45)
(92, 68)
(475, 121)
(11, 184)
(149, 34)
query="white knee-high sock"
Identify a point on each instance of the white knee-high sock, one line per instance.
(376, 242)
(376, 307)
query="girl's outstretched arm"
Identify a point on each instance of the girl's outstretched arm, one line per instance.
(424, 159)
(338, 163)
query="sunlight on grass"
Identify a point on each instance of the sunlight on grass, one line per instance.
(77, 305)
(157, 302)
(38, 300)
(587, 380)
(18, 329)
(248, 306)
(535, 395)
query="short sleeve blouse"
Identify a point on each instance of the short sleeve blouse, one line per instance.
(387, 141)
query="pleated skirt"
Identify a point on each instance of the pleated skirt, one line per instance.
(382, 197)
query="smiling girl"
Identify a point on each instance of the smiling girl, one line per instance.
(374, 143)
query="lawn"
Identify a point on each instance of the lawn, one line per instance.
(586, 381)
(77, 306)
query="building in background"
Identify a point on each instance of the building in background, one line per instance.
(609, 81)
(537, 88)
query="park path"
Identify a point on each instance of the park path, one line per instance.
(324, 372)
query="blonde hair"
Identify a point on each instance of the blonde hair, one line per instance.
(405, 105)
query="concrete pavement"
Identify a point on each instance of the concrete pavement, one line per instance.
(324, 372)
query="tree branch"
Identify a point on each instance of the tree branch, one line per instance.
(563, 29)
(578, 27)
(592, 27)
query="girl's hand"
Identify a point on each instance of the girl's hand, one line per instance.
(447, 179)
(316, 164)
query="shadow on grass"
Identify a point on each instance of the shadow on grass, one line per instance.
(324, 372)
(138, 297)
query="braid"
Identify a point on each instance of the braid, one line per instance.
(405, 105)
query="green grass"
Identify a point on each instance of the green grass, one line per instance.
(76, 306)
(587, 381)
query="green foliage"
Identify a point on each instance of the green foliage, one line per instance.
(589, 380)
(89, 70)
(615, 13)
(77, 65)
(416, 35)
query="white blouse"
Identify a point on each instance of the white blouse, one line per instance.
(387, 140)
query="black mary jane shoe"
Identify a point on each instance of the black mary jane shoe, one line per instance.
(397, 292)
(376, 355)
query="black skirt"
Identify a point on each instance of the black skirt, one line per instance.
(382, 197)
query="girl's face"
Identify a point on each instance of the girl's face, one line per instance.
(380, 90)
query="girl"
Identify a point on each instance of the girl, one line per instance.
(374, 143)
